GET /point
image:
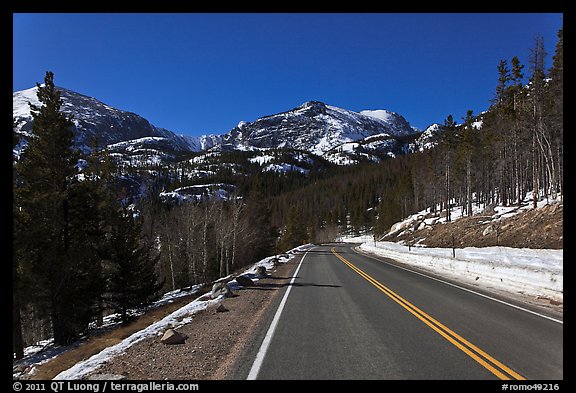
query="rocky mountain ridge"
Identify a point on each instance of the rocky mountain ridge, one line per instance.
(338, 135)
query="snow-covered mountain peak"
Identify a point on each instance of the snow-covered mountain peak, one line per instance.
(316, 127)
(315, 106)
(92, 118)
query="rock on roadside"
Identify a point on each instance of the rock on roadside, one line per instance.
(172, 337)
(244, 281)
(220, 288)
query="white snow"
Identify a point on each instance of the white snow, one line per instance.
(20, 107)
(477, 124)
(143, 140)
(537, 273)
(349, 147)
(45, 350)
(379, 114)
(261, 160)
(339, 158)
(219, 191)
(285, 168)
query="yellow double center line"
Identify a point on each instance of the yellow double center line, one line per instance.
(491, 364)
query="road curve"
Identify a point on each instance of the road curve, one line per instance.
(350, 316)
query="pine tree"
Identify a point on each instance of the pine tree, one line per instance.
(545, 163)
(503, 79)
(59, 223)
(449, 143)
(17, 291)
(556, 111)
(466, 151)
(516, 78)
(44, 174)
(557, 71)
(133, 279)
(295, 232)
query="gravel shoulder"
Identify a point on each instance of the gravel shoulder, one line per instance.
(217, 341)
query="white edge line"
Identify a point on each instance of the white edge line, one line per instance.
(270, 333)
(462, 288)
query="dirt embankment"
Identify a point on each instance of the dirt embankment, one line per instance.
(533, 228)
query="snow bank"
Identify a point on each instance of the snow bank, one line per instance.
(532, 272)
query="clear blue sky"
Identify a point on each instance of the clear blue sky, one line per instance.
(203, 73)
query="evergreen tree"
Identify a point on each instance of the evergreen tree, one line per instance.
(449, 145)
(516, 78)
(59, 223)
(295, 232)
(133, 279)
(503, 79)
(557, 71)
(556, 111)
(17, 291)
(257, 215)
(539, 141)
(465, 153)
(45, 172)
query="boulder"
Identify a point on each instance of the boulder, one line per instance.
(489, 229)
(244, 281)
(172, 337)
(220, 288)
(261, 271)
(217, 307)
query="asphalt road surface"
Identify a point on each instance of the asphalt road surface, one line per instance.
(349, 316)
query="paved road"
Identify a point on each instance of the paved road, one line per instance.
(349, 316)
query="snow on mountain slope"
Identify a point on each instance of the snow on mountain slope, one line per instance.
(92, 118)
(427, 139)
(315, 127)
(203, 142)
(338, 135)
(393, 120)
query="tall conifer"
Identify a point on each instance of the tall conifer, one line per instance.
(57, 220)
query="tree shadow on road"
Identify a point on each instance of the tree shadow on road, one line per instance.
(273, 286)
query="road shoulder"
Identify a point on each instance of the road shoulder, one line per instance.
(218, 344)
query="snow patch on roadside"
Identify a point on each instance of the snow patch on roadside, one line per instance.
(532, 272)
(176, 319)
